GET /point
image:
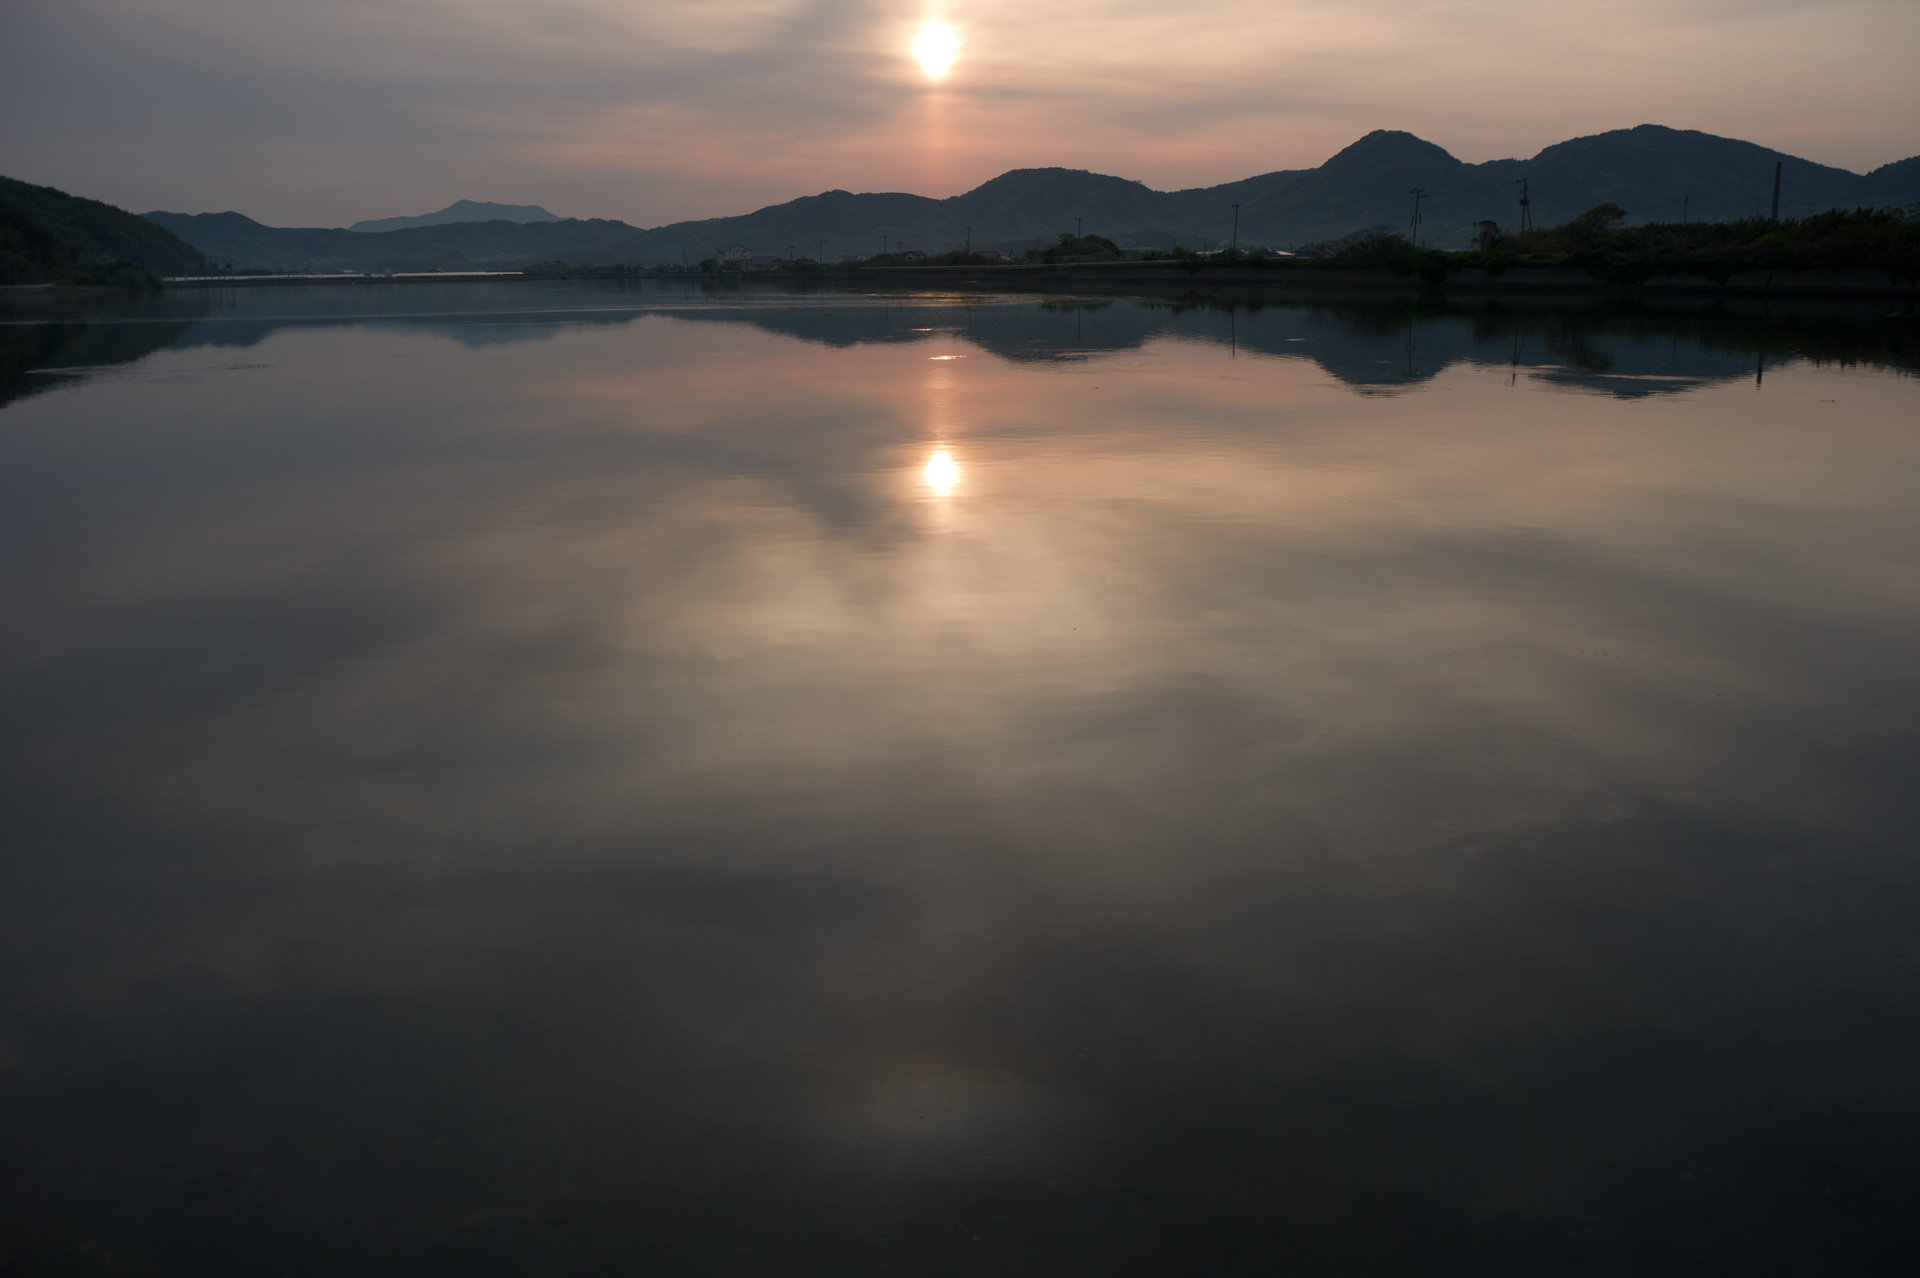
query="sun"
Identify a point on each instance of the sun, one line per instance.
(935, 48)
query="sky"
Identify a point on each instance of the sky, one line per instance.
(311, 113)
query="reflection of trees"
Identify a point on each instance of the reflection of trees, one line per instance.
(1577, 348)
(69, 336)
(1592, 339)
(1372, 344)
(1619, 348)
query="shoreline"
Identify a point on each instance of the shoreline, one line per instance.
(1156, 277)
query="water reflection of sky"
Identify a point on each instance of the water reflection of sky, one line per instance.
(774, 799)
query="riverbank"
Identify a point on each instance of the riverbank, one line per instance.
(1330, 277)
(334, 277)
(1165, 277)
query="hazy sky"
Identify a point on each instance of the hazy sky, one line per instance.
(322, 112)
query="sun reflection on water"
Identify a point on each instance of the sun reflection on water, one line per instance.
(941, 473)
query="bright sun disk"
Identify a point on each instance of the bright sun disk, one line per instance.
(935, 49)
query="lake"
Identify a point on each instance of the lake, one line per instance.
(552, 778)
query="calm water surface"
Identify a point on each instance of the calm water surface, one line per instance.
(551, 780)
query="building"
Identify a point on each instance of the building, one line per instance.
(734, 255)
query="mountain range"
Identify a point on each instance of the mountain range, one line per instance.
(1655, 173)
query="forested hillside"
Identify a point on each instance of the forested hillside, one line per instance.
(49, 236)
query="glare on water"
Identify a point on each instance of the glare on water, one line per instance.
(941, 472)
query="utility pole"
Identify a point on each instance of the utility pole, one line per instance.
(1683, 208)
(1076, 228)
(1776, 189)
(1418, 193)
(1236, 228)
(1526, 206)
(969, 246)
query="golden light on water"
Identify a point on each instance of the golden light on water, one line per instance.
(935, 48)
(941, 474)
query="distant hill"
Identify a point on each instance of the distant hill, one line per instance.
(243, 242)
(1651, 171)
(47, 235)
(460, 211)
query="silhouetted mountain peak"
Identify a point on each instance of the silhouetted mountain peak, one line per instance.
(1027, 182)
(1387, 148)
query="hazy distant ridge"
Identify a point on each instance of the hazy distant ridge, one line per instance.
(1650, 170)
(460, 211)
(239, 240)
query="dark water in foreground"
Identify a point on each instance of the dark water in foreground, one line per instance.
(521, 780)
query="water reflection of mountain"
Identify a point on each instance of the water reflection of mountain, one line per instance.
(1379, 348)
(53, 345)
(1375, 347)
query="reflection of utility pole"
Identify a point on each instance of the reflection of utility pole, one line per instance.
(1776, 189)
(1236, 228)
(1418, 193)
(1526, 206)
